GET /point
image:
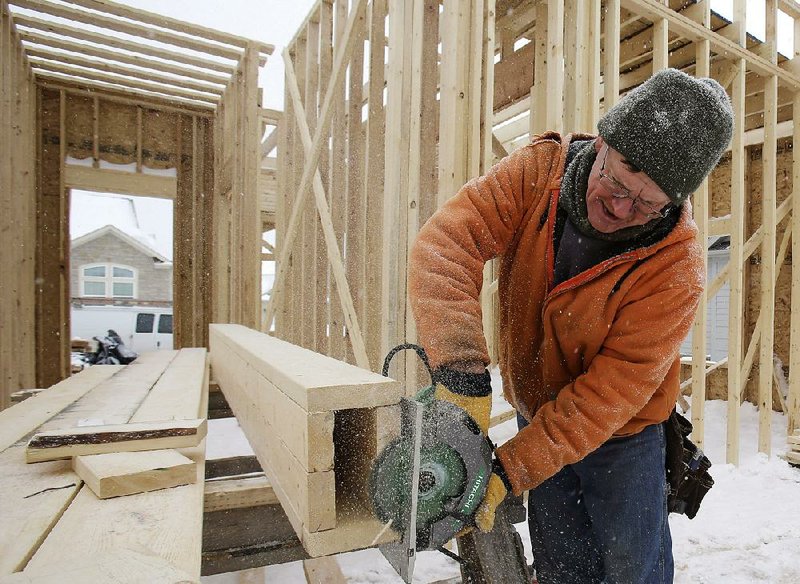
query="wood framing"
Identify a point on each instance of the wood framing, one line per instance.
(312, 421)
(180, 124)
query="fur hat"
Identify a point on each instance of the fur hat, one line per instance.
(674, 127)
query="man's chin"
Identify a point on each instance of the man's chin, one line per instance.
(601, 225)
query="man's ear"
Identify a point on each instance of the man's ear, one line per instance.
(598, 144)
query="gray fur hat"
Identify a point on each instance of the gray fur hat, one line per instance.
(674, 127)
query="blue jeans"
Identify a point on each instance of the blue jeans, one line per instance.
(604, 519)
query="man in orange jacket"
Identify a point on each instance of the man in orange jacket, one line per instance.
(600, 278)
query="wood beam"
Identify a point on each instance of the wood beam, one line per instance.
(39, 54)
(125, 82)
(101, 86)
(127, 27)
(118, 43)
(117, 181)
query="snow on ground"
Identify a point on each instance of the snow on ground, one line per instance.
(747, 530)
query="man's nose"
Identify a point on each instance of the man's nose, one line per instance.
(622, 206)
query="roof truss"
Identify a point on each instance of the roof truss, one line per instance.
(175, 60)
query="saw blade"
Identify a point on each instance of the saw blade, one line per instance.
(402, 554)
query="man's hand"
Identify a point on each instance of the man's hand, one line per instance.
(472, 392)
(497, 490)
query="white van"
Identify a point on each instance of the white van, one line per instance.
(142, 328)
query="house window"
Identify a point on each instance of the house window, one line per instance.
(108, 281)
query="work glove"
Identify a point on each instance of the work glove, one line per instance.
(499, 487)
(472, 392)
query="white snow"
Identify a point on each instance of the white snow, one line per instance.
(747, 530)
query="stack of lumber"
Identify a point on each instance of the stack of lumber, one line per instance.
(55, 527)
(315, 424)
(793, 452)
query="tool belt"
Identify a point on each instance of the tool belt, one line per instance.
(687, 468)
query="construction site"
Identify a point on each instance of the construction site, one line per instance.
(109, 474)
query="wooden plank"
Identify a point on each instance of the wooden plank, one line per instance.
(121, 43)
(125, 91)
(126, 473)
(611, 55)
(37, 495)
(307, 435)
(701, 202)
(119, 566)
(238, 493)
(793, 400)
(24, 418)
(40, 56)
(132, 437)
(175, 393)
(324, 570)
(327, 385)
(117, 181)
(769, 223)
(736, 299)
(40, 40)
(555, 65)
(123, 80)
(374, 171)
(127, 27)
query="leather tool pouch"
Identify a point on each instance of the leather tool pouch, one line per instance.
(687, 468)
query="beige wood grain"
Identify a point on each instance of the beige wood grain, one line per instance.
(238, 493)
(126, 473)
(133, 437)
(25, 417)
(315, 382)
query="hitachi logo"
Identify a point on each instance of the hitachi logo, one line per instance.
(475, 488)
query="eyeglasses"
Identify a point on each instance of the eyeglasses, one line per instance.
(620, 192)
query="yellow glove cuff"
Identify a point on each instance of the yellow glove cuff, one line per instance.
(478, 408)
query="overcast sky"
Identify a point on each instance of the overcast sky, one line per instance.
(271, 21)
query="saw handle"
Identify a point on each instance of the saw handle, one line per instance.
(405, 346)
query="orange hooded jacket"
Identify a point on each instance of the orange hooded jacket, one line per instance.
(593, 358)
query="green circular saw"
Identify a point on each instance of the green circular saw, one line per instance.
(447, 482)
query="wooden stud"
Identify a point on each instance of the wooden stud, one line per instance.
(700, 203)
(555, 65)
(611, 55)
(736, 302)
(374, 172)
(793, 401)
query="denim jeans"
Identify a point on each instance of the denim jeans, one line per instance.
(604, 519)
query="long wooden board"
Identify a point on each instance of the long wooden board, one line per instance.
(327, 385)
(22, 419)
(137, 436)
